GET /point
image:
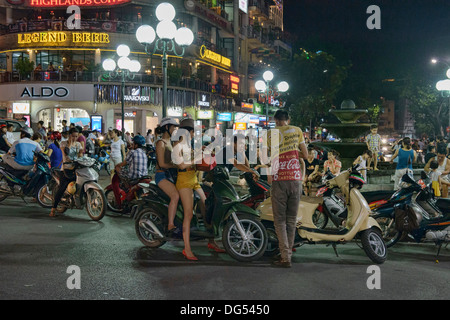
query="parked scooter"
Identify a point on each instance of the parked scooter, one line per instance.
(243, 235)
(103, 160)
(423, 218)
(13, 182)
(129, 190)
(384, 212)
(83, 192)
(358, 223)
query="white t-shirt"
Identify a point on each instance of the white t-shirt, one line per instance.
(149, 139)
(10, 137)
(116, 148)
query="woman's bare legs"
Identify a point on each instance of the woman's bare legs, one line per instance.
(187, 199)
(169, 189)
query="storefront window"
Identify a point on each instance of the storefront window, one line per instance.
(53, 117)
(44, 58)
(17, 56)
(2, 62)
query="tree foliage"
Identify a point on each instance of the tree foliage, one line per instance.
(428, 108)
(315, 79)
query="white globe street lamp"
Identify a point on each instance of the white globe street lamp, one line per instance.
(165, 11)
(123, 50)
(146, 34)
(166, 36)
(264, 87)
(124, 68)
(260, 86)
(283, 86)
(268, 76)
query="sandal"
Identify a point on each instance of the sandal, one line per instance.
(53, 213)
(215, 248)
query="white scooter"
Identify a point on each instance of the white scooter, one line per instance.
(357, 225)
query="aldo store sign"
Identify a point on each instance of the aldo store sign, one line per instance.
(49, 92)
(44, 92)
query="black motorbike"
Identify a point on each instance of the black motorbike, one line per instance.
(151, 159)
(24, 183)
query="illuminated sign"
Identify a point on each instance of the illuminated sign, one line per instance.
(82, 3)
(240, 126)
(61, 37)
(205, 114)
(21, 108)
(243, 5)
(204, 102)
(136, 96)
(214, 57)
(234, 84)
(45, 92)
(247, 107)
(226, 116)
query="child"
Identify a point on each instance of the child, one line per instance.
(373, 141)
(9, 133)
(436, 179)
(361, 161)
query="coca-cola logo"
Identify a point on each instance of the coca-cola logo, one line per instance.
(16, 2)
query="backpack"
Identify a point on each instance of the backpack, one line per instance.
(406, 220)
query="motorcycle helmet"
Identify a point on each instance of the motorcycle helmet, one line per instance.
(139, 140)
(168, 121)
(27, 131)
(187, 124)
(356, 180)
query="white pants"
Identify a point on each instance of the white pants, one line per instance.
(398, 177)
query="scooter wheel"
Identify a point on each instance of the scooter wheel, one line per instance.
(374, 246)
(145, 232)
(247, 249)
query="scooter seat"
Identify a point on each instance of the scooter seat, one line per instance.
(17, 173)
(157, 192)
(443, 205)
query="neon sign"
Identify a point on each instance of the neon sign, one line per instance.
(83, 3)
(214, 57)
(61, 37)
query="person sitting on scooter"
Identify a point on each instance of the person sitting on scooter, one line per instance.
(71, 150)
(136, 160)
(165, 170)
(235, 157)
(187, 183)
(24, 150)
(332, 163)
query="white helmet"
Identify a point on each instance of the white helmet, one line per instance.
(168, 121)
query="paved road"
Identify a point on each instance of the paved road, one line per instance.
(36, 251)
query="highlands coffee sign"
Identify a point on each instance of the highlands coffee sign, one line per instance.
(67, 3)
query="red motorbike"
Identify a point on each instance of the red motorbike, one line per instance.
(129, 191)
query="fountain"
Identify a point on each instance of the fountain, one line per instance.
(348, 131)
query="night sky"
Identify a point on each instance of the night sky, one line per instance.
(412, 32)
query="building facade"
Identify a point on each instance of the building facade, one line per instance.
(234, 42)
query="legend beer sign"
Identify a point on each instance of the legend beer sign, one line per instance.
(60, 37)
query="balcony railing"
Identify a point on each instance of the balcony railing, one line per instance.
(103, 77)
(109, 26)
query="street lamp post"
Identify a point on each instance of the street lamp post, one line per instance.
(124, 68)
(264, 87)
(168, 37)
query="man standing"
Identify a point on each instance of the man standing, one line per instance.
(287, 146)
